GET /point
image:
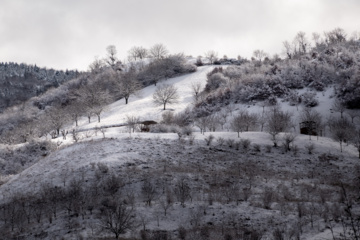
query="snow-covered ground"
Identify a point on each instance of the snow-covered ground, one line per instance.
(137, 154)
(142, 106)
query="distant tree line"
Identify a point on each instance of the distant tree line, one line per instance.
(20, 82)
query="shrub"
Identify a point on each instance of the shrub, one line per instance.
(187, 130)
(245, 143)
(295, 150)
(220, 141)
(257, 148)
(230, 142)
(268, 148)
(167, 117)
(103, 168)
(309, 99)
(162, 128)
(209, 139)
(310, 148)
(268, 197)
(214, 81)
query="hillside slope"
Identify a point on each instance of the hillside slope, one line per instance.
(142, 106)
(220, 189)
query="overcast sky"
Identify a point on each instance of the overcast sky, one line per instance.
(68, 34)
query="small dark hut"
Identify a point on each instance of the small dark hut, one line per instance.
(308, 128)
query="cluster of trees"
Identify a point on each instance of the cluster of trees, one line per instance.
(157, 51)
(88, 95)
(332, 61)
(20, 82)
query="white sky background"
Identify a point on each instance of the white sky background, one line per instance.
(68, 34)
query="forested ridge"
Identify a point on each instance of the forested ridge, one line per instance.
(19, 82)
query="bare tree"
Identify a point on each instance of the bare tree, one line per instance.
(277, 121)
(213, 122)
(288, 49)
(158, 51)
(202, 123)
(316, 38)
(341, 130)
(259, 54)
(76, 110)
(111, 56)
(196, 88)
(165, 94)
(136, 53)
(97, 65)
(243, 121)
(132, 123)
(301, 44)
(211, 56)
(56, 119)
(337, 35)
(182, 190)
(167, 201)
(128, 84)
(339, 106)
(148, 191)
(288, 139)
(118, 219)
(94, 99)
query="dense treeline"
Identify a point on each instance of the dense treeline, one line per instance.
(19, 82)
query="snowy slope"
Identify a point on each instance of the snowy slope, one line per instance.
(142, 105)
(132, 156)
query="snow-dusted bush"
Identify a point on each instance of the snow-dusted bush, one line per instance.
(182, 119)
(349, 91)
(164, 68)
(233, 72)
(214, 81)
(187, 130)
(310, 147)
(309, 99)
(167, 117)
(293, 98)
(292, 78)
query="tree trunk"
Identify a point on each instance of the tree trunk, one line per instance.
(126, 100)
(340, 146)
(164, 106)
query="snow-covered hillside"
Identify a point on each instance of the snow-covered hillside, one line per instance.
(236, 186)
(142, 106)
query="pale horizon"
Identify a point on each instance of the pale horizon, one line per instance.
(69, 35)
